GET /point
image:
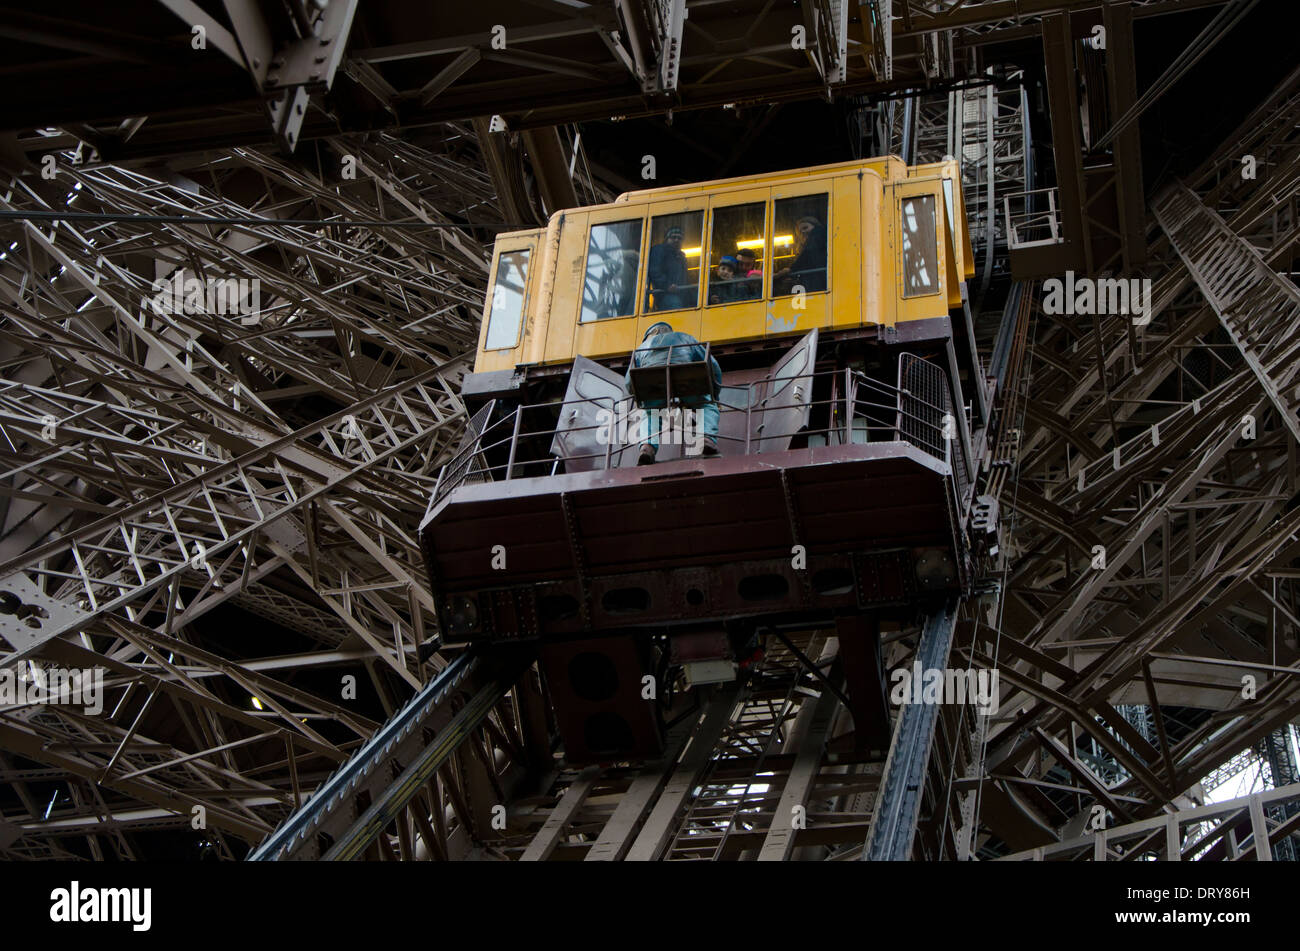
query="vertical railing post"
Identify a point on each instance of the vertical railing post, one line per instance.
(668, 393)
(609, 441)
(514, 442)
(899, 402)
(848, 407)
(749, 405)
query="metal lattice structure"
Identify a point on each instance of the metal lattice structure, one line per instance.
(217, 506)
(161, 465)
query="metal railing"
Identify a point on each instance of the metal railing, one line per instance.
(925, 408)
(1224, 831)
(858, 410)
(1031, 224)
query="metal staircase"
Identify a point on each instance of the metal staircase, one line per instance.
(1259, 308)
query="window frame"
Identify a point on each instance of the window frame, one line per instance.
(529, 246)
(722, 201)
(614, 216)
(680, 207)
(936, 199)
(821, 186)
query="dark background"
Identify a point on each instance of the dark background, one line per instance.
(1178, 132)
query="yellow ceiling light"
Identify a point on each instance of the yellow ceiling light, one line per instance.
(691, 252)
(758, 242)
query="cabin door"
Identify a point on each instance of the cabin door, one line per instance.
(787, 397)
(595, 411)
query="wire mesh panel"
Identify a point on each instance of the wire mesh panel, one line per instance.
(468, 465)
(923, 406)
(926, 417)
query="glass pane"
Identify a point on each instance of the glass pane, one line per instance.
(507, 309)
(612, 258)
(597, 388)
(736, 254)
(735, 397)
(673, 269)
(799, 245)
(920, 247)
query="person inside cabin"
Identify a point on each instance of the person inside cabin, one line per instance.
(725, 287)
(662, 345)
(808, 269)
(748, 267)
(668, 274)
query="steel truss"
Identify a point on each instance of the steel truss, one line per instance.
(1152, 545)
(163, 469)
(1239, 830)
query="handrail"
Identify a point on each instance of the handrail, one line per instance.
(866, 408)
(1030, 228)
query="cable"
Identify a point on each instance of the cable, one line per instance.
(1025, 373)
(1214, 31)
(249, 222)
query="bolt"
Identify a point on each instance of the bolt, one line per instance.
(316, 74)
(320, 59)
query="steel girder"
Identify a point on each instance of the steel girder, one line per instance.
(1142, 450)
(161, 469)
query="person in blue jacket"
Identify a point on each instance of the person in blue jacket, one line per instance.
(654, 351)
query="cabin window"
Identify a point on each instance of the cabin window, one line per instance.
(799, 243)
(507, 310)
(737, 253)
(673, 266)
(613, 254)
(597, 389)
(735, 397)
(920, 247)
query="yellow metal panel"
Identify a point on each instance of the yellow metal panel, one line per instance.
(874, 250)
(887, 167)
(888, 255)
(849, 241)
(929, 305)
(864, 261)
(570, 266)
(539, 316)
